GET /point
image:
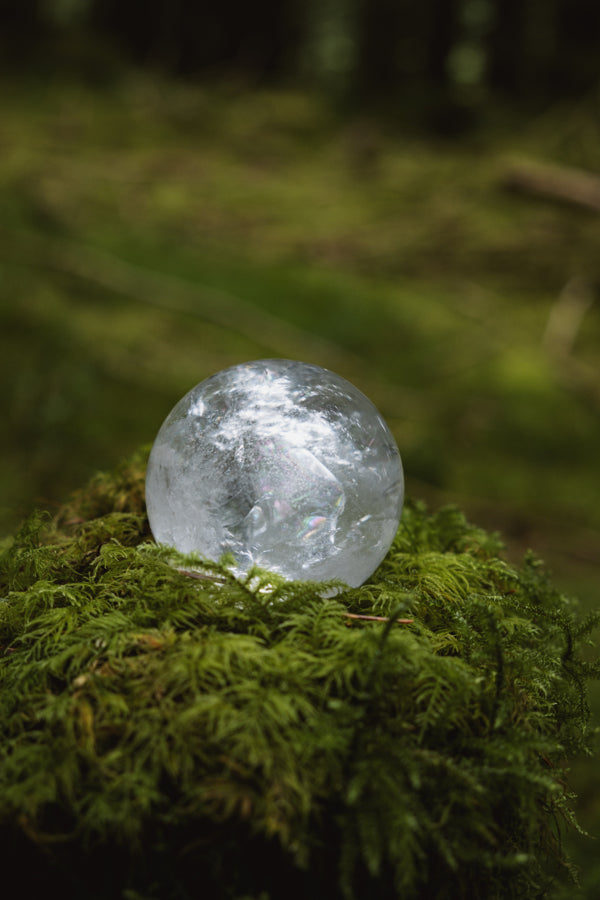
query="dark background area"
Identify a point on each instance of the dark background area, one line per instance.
(431, 56)
(185, 186)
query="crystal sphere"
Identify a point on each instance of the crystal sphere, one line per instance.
(282, 464)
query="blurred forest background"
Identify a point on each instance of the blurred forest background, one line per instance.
(405, 192)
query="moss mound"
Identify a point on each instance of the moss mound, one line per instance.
(167, 736)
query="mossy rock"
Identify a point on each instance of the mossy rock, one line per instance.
(167, 736)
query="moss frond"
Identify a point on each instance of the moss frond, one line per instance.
(249, 738)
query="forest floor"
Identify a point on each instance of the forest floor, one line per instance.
(156, 233)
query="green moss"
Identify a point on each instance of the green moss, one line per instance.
(170, 736)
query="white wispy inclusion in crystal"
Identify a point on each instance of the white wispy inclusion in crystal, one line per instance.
(283, 464)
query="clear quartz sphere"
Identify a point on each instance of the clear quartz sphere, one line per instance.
(284, 465)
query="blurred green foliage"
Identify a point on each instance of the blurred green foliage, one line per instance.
(156, 233)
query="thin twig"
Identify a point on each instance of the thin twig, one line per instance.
(378, 618)
(201, 576)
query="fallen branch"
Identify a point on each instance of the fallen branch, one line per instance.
(555, 182)
(565, 322)
(566, 317)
